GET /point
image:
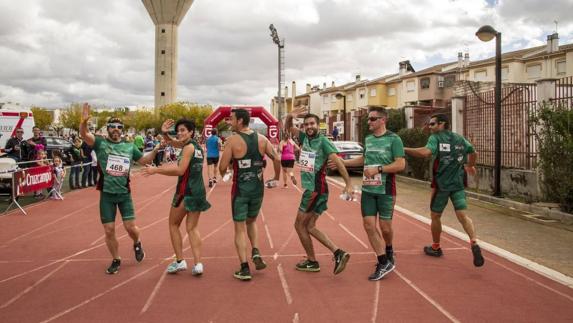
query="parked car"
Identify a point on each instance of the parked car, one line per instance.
(61, 146)
(348, 150)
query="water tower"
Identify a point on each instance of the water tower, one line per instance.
(166, 15)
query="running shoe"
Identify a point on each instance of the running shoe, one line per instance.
(381, 270)
(260, 264)
(428, 250)
(478, 258)
(176, 267)
(197, 269)
(308, 265)
(243, 274)
(390, 256)
(138, 250)
(114, 267)
(340, 259)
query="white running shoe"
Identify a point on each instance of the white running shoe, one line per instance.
(197, 269)
(175, 266)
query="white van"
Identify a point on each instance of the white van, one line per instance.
(14, 116)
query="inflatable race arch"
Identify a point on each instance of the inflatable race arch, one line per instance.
(223, 112)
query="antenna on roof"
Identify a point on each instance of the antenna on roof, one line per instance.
(556, 22)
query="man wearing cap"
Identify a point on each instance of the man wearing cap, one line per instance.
(115, 157)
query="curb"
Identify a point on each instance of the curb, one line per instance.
(538, 214)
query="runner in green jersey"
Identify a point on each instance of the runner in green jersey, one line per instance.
(190, 197)
(245, 151)
(316, 150)
(453, 156)
(115, 158)
(383, 158)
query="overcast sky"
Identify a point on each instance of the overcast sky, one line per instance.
(55, 52)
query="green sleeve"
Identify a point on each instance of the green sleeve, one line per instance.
(136, 153)
(328, 147)
(397, 147)
(97, 143)
(469, 147)
(432, 145)
(301, 136)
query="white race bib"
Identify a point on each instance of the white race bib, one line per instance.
(117, 165)
(306, 161)
(245, 163)
(375, 180)
(198, 154)
(444, 147)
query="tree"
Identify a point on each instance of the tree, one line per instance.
(42, 117)
(71, 117)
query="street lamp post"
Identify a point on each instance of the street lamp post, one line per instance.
(280, 44)
(343, 97)
(487, 33)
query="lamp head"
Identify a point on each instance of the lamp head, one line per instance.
(486, 33)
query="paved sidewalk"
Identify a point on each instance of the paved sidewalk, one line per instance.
(549, 245)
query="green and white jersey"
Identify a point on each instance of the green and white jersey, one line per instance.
(114, 163)
(449, 151)
(191, 182)
(313, 160)
(380, 151)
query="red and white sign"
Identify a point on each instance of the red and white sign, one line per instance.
(207, 130)
(33, 179)
(273, 131)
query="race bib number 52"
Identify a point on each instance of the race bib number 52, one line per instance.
(117, 165)
(306, 161)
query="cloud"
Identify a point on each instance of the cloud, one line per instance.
(59, 51)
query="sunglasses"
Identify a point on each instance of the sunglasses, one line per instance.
(374, 118)
(115, 126)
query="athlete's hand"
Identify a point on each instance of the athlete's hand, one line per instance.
(471, 170)
(332, 165)
(348, 189)
(299, 112)
(166, 126)
(85, 112)
(149, 170)
(370, 171)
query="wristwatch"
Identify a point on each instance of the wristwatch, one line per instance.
(380, 171)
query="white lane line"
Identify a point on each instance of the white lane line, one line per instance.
(267, 230)
(521, 261)
(153, 293)
(428, 298)
(25, 291)
(93, 298)
(284, 284)
(160, 281)
(526, 263)
(376, 301)
(353, 235)
(296, 318)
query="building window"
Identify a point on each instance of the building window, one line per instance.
(162, 72)
(361, 93)
(449, 80)
(533, 71)
(162, 93)
(325, 99)
(163, 30)
(425, 83)
(560, 67)
(480, 75)
(391, 91)
(410, 86)
(505, 73)
(163, 51)
(373, 92)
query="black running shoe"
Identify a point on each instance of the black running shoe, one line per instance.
(340, 260)
(428, 250)
(243, 274)
(390, 257)
(114, 267)
(139, 254)
(260, 264)
(308, 265)
(478, 258)
(381, 270)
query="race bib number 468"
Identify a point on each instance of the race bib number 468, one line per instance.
(117, 165)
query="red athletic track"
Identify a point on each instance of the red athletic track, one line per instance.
(52, 265)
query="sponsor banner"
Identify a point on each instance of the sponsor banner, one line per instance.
(33, 179)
